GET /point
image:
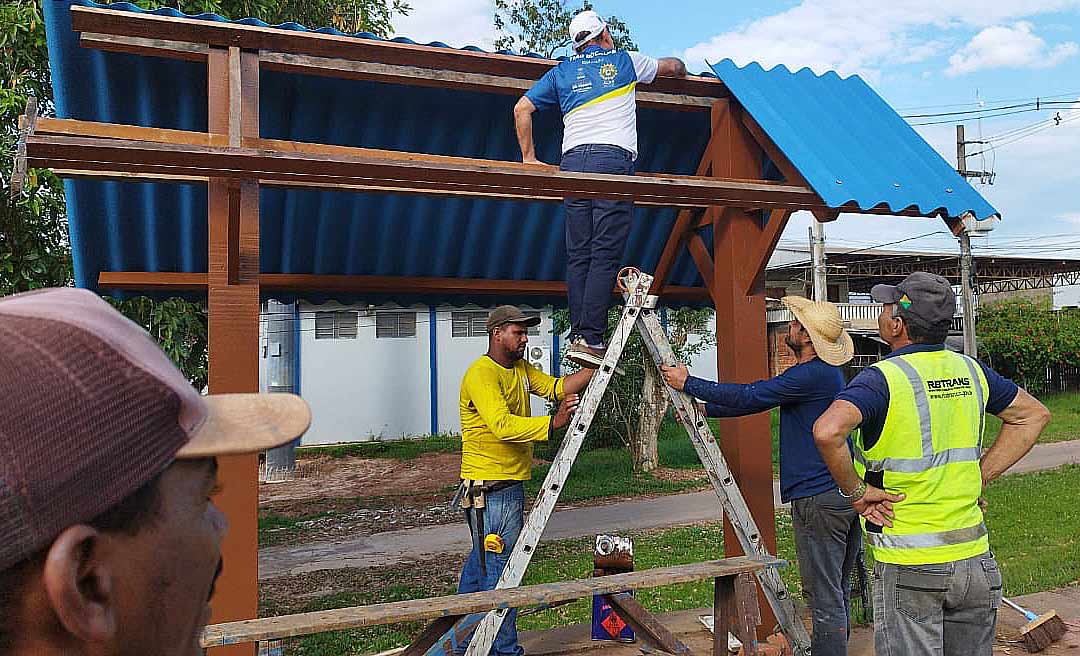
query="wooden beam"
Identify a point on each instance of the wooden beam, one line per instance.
(152, 29)
(233, 304)
(763, 250)
(675, 240)
(742, 349)
(393, 170)
(723, 613)
(787, 169)
(151, 281)
(700, 252)
(350, 69)
(271, 628)
(431, 634)
(644, 624)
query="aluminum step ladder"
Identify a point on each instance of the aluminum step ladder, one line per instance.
(639, 312)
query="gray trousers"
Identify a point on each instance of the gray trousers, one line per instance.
(948, 609)
(828, 540)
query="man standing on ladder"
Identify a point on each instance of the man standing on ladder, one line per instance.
(594, 90)
(828, 539)
(497, 436)
(919, 472)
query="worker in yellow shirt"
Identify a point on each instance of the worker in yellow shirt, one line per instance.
(497, 435)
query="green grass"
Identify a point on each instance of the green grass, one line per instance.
(1032, 531)
(405, 449)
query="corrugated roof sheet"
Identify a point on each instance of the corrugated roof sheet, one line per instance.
(848, 143)
(126, 226)
(130, 226)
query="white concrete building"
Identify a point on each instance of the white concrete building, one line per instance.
(389, 372)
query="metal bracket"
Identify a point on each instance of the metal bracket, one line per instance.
(27, 123)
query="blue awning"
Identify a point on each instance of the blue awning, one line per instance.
(848, 143)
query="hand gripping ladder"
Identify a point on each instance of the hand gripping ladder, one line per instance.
(638, 312)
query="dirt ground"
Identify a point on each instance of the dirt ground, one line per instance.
(326, 478)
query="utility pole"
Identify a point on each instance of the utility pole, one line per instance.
(966, 289)
(817, 255)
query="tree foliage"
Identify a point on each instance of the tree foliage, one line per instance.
(34, 247)
(1024, 338)
(543, 26)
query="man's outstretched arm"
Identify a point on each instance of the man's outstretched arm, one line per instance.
(523, 123)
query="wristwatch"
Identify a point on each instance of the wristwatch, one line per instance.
(856, 494)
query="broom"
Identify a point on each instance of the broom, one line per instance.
(1041, 630)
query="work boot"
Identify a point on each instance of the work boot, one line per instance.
(584, 355)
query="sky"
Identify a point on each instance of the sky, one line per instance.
(922, 57)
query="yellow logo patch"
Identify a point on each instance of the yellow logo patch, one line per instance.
(608, 72)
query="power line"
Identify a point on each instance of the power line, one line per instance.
(1000, 100)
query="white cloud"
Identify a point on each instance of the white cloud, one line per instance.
(459, 23)
(1001, 46)
(1070, 217)
(852, 36)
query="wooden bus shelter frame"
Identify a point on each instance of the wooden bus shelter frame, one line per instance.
(727, 193)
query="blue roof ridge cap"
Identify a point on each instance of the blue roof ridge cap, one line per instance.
(783, 67)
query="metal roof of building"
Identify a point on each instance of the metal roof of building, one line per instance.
(848, 143)
(133, 226)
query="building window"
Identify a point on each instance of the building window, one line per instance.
(335, 325)
(474, 324)
(395, 325)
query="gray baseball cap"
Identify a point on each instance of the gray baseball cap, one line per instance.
(505, 314)
(925, 298)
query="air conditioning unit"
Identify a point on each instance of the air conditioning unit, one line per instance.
(539, 357)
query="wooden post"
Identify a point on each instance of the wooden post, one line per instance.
(233, 302)
(741, 344)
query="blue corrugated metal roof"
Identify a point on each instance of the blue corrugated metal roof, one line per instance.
(126, 226)
(848, 143)
(129, 226)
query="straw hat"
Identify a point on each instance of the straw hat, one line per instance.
(822, 322)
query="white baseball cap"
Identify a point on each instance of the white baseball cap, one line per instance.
(585, 27)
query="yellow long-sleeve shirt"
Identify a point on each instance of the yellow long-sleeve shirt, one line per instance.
(497, 429)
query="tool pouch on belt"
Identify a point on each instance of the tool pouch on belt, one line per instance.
(471, 495)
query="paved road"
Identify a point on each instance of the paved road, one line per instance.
(418, 544)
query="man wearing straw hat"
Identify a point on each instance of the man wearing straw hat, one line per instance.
(827, 535)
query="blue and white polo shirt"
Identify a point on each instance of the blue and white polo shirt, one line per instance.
(594, 89)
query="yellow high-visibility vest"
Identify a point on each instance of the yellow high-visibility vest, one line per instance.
(929, 450)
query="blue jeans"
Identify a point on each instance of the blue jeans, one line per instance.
(946, 609)
(596, 232)
(828, 541)
(504, 514)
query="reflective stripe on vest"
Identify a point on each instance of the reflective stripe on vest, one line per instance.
(927, 540)
(932, 394)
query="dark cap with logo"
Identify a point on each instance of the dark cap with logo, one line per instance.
(505, 314)
(925, 298)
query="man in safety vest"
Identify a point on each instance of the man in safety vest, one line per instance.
(919, 472)
(594, 90)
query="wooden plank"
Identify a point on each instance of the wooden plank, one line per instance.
(723, 598)
(747, 613)
(475, 602)
(251, 37)
(430, 635)
(300, 282)
(644, 624)
(397, 169)
(133, 45)
(763, 250)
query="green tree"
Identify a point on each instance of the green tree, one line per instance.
(34, 247)
(543, 26)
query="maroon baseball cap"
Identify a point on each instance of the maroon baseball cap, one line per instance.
(91, 409)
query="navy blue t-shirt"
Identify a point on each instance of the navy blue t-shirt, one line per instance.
(803, 393)
(869, 392)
